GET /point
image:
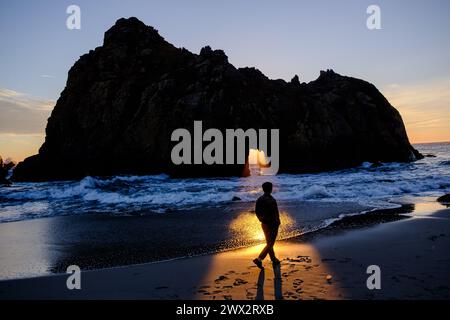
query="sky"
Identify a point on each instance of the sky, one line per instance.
(408, 59)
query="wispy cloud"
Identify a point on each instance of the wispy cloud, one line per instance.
(23, 114)
(47, 76)
(425, 109)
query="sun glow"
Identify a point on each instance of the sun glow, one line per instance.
(258, 162)
(257, 157)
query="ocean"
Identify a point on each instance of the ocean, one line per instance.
(110, 221)
(377, 187)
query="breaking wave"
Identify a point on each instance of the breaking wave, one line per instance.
(159, 193)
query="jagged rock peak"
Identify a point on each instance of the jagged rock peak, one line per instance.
(207, 52)
(295, 80)
(328, 74)
(129, 31)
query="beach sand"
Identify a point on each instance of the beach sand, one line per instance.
(37, 247)
(412, 253)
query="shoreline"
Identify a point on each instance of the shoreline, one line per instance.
(46, 246)
(306, 262)
(357, 220)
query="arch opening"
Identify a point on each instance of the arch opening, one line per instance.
(258, 162)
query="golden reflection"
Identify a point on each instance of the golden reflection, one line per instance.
(248, 227)
(238, 264)
(254, 251)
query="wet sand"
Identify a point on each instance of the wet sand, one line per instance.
(412, 253)
(44, 246)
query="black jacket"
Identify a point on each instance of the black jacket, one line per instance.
(267, 210)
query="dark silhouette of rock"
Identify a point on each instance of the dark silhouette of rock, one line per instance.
(4, 168)
(444, 198)
(236, 198)
(295, 80)
(3, 172)
(123, 100)
(376, 164)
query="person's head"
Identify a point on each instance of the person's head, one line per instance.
(267, 187)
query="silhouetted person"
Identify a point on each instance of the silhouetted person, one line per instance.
(267, 212)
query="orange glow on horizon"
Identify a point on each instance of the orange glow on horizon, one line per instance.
(425, 109)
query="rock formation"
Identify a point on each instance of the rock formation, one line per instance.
(5, 166)
(444, 199)
(123, 100)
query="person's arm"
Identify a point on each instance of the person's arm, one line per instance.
(277, 213)
(258, 210)
(274, 212)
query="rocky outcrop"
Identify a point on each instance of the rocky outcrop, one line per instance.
(5, 166)
(444, 199)
(123, 100)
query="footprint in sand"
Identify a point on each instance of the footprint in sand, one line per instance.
(300, 259)
(297, 282)
(290, 295)
(249, 294)
(306, 259)
(221, 278)
(239, 282)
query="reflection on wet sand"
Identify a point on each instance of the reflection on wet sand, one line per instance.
(413, 253)
(232, 275)
(236, 277)
(277, 281)
(278, 292)
(260, 285)
(246, 226)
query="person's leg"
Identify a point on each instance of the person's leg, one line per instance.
(273, 238)
(267, 235)
(263, 253)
